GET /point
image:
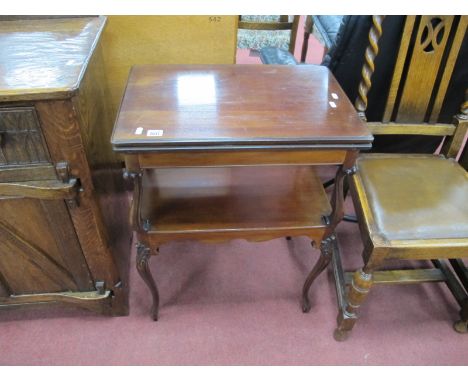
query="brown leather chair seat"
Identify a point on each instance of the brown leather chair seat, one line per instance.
(412, 197)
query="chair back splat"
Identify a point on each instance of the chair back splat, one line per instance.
(428, 51)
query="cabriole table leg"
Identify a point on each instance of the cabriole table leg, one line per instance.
(326, 250)
(143, 257)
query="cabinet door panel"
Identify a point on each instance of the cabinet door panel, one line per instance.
(39, 250)
(21, 140)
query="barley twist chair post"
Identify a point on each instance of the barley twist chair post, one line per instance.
(368, 68)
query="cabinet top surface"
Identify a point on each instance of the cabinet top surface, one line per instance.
(182, 106)
(45, 58)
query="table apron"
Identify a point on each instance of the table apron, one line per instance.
(241, 158)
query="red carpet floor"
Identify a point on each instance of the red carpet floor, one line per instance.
(237, 303)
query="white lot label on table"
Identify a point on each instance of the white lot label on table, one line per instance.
(154, 133)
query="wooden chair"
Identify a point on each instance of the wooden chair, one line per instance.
(308, 29)
(410, 206)
(282, 23)
(325, 28)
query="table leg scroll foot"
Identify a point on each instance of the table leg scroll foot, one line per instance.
(305, 304)
(143, 256)
(155, 313)
(326, 249)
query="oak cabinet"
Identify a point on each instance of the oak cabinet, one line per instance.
(63, 239)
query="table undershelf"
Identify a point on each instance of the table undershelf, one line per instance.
(238, 201)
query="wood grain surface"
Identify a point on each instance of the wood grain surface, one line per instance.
(45, 58)
(202, 105)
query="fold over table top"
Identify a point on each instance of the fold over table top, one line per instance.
(190, 107)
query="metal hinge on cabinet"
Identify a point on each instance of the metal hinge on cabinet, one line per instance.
(63, 172)
(100, 287)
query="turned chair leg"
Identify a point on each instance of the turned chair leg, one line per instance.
(326, 250)
(143, 257)
(357, 292)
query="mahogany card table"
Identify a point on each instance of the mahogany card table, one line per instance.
(221, 152)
